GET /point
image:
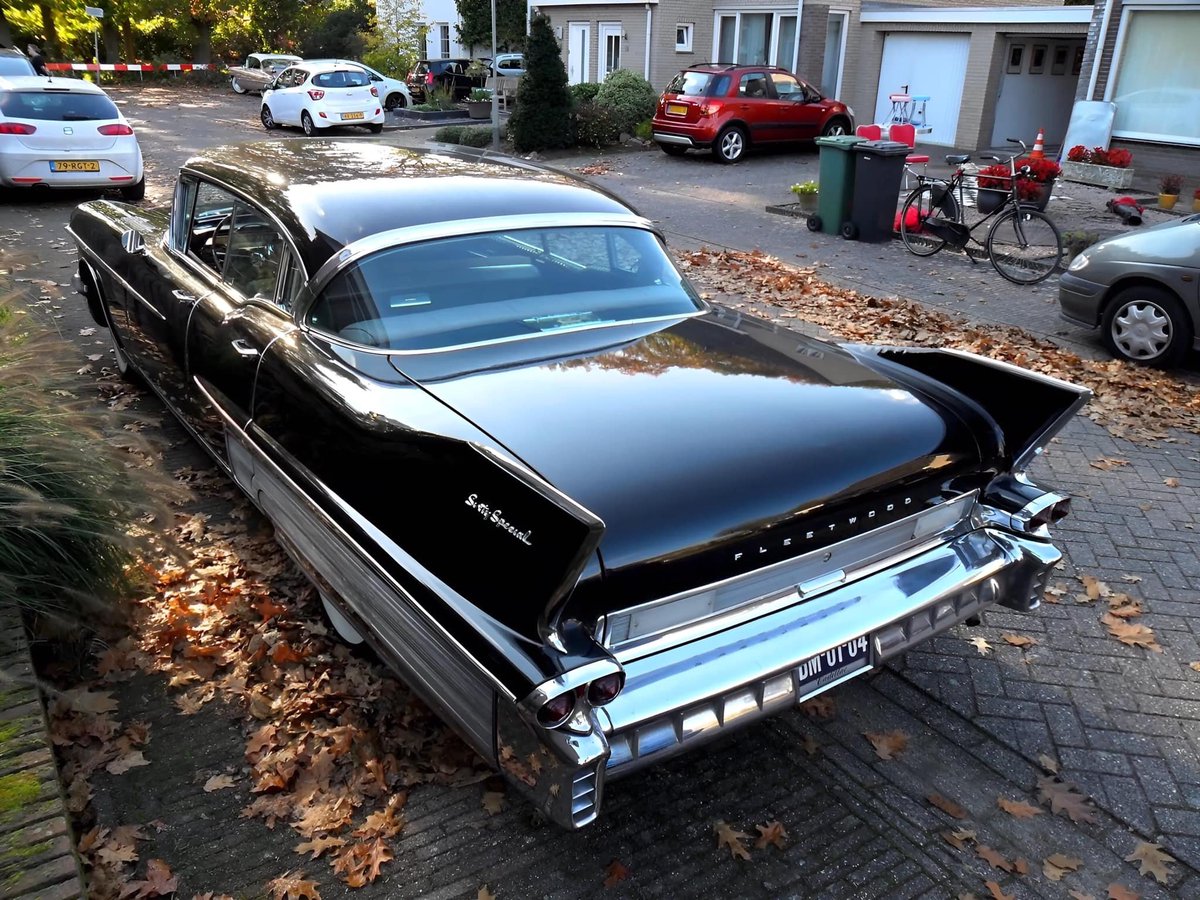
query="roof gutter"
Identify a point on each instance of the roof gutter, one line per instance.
(1101, 37)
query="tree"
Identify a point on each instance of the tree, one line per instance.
(339, 34)
(475, 28)
(542, 119)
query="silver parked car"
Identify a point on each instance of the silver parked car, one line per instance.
(259, 71)
(1142, 290)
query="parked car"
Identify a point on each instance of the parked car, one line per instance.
(589, 517)
(14, 62)
(259, 71)
(317, 96)
(66, 133)
(447, 74)
(730, 108)
(508, 64)
(1141, 291)
(393, 91)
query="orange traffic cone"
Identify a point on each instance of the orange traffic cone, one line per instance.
(1039, 146)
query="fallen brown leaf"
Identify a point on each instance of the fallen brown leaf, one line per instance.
(998, 894)
(959, 839)
(1064, 798)
(293, 886)
(981, 645)
(1059, 865)
(122, 764)
(319, 845)
(730, 837)
(485, 894)
(889, 744)
(615, 873)
(771, 833)
(1018, 808)
(1049, 764)
(1118, 891)
(994, 858)
(218, 783)
(1152, 860)
(493, 802)
(819, 707)
(949, 807)
(1171, 482)
(1132, 633)
(1019, 640)
(159, 882)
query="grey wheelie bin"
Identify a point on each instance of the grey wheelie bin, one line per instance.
(878, 170)
(837, 183)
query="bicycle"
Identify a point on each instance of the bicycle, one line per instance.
(1022, 244)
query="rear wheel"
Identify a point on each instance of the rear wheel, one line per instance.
(1148, 325)
(306, 123)
(730, 145)
(922, 204)
(835, 127)
(237, 88)
(673, 149)
(134, 192)
(375, 127)
(1024, 246)
(395, 101)
(268, 120)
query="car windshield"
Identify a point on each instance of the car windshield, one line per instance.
(278, 62)
(690, 83)
(57, 106)
(489, 287)
(15, 65)
(342, 78)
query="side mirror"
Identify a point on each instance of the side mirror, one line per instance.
(132, 242)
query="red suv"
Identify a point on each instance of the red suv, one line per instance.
(728, 108)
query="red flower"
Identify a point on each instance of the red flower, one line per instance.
(1078, 153)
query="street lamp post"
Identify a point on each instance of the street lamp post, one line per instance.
(96, 13)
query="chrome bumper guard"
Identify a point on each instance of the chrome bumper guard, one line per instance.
(663, 137)
(682, 697)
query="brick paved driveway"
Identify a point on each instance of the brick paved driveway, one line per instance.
(1123, 723)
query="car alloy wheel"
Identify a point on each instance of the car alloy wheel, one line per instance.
(730, 145)
(395, 101)
(237, 88)
(306, 123)
(268, 120)
(1147, 325)
(835, 128)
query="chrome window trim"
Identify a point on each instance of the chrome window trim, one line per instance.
(682, 632)
(95, 257)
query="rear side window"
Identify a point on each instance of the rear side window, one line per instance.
(57, 106)
(341, 79)
(15, 65)
(691, 84)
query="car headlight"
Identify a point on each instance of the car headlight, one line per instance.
(1079, 263)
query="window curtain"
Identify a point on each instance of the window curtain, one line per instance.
(1157, 89)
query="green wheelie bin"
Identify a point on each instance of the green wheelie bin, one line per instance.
(837, 183)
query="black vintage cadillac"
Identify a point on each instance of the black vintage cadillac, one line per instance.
(590, 518)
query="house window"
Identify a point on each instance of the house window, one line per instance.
(1157, 82)
(683, 38)
(610, 39)
(444, 41)
(756, 38)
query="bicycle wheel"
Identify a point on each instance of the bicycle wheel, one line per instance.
(1024, 246)
(926, 201)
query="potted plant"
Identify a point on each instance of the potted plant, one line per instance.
(479, 103)
(995, 183)
(1098, 166)
(806, 194)
(1168, 190)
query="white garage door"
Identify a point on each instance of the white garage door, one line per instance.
(930, 64)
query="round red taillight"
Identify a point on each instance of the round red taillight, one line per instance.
(557, 710)
(605, 690)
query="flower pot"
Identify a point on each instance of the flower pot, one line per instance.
(808, 202)
(1102, 176)
(1196, 204)
(990, 199)
(1167, 201)
(479, 109)
(1042, 196)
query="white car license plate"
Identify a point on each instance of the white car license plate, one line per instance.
(346, 117)
(75, 165)
(834, 664)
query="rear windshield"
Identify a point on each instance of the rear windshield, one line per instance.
(341, 79)
(693, 84)
(57, 106)
(502, 285)
(15, 65)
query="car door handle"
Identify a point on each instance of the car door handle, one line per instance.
(183, 296)
(243, 348)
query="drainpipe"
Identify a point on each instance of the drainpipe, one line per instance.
(1101, 40)
(794, 66)
(649, 25)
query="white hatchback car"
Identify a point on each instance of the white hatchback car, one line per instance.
(322, 95)
(66, 133)
(392, 91)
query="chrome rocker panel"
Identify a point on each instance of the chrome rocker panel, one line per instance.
(681, 698)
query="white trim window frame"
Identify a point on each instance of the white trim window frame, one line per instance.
(611, 34)
(777, 14)
(684, 32)
(1184, 109)
(443, 40)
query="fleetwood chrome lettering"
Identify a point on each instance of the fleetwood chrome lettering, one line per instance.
(496, 517)
(864, 518)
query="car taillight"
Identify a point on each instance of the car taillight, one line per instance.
(429, 78)
(556, 711)
(112, 130)
(16, 128)
(1055, 512)
(605, 690)
(374, 91)
(316, 95)
(709, 109)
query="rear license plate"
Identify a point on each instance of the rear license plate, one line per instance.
(346, 117)
(833, 665)
(75, 165)
(676, 109)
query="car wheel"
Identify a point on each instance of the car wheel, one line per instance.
(237, 88)
(673, 149)
(306, 123)
(268, 120)
(395, 101)
(134, 192)
(835, 127)
(375, 127)
(730, 145)
(1148, 325)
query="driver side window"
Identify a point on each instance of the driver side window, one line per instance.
(208, 229)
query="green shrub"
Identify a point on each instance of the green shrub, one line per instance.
(584, 91)
(542, 119)
(449, 134)
(630, 96)
(644, 130)
(595, 124)
(440, 97)
(478, 136)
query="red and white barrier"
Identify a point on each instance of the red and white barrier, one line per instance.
(129, 67)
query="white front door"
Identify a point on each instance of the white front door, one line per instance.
(579, 45)
(929, 64)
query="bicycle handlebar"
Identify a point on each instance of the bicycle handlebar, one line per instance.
(1017, 141)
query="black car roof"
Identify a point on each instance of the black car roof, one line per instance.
(330, 193)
